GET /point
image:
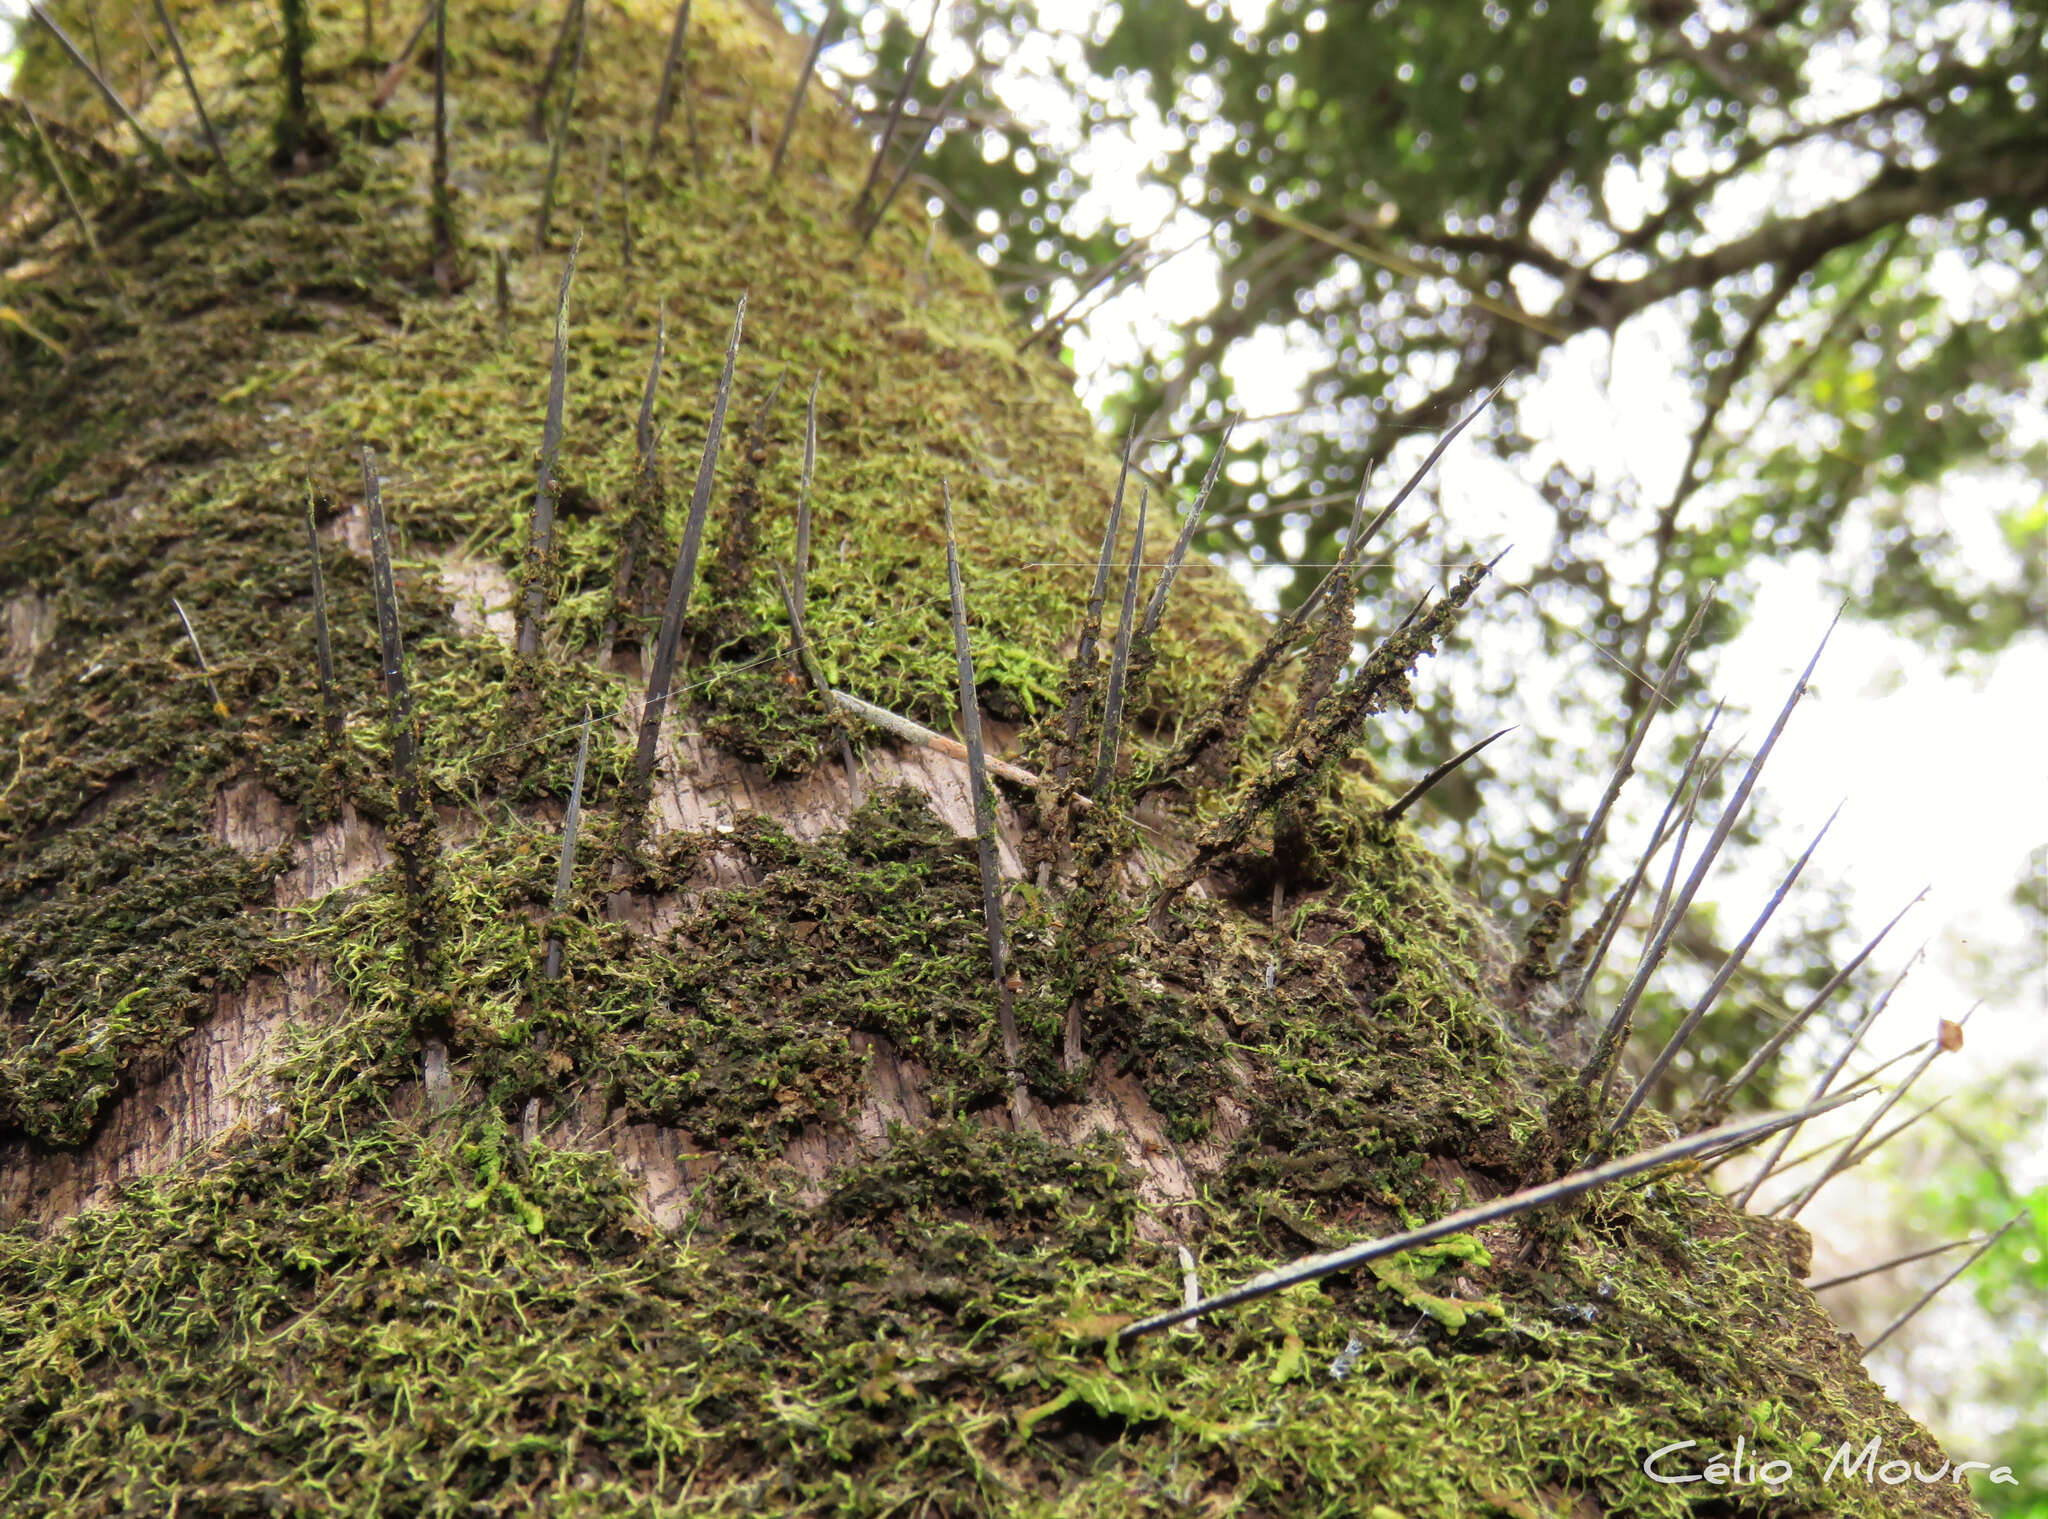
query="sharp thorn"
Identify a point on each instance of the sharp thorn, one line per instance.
(1662, 911)
(1714, 1105)
(1466, 1220)
(1653, 956)
(685, 575)
(441, 212)
(1224, 716)
(1941, 1045)
(92, 26)
(192, 90)
(1088, 286)
(1378, 683)
(802, 569)
(665, 92)
(643, 430)
(1596, 826)
(1802, 1158)
(1872, 1076)
(1421, 604)
(819, 43)
(1099, 591)
(912, 72)
(1356, 540)
(561, 134)
(388, 85)
(1356, 535)
(970, 724)
(220, 708)
(1420, 789)
(78, 217)
(767, 406)
(1582, 961)
(1897, 1261)
(1662, 907)
(501, 282)
(808, 658)
(1081, 671)
(1857, 1157)
(398, 695)
(565, 871)
(1156, 607)
(323, 648)
(912, 159)
(984, 816)
(1120, 659)
(293, 131)
(536, 121)
(119, 107)
(1663, 830)
(690, 134)
(540, 537)
(674, 81)
(391, 643)
(1337, 628)
(1827, 1079)
(1422, 470)
(1722, 977)
(1933, 1292)
(1708, 1164)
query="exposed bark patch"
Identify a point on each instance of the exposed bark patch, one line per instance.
(334, 855)
(250, 818)
(30, 622)
(1168, 1172)
(710, 791)
(482, 594)
(210, 1089)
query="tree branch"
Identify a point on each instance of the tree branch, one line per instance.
(2016, 170)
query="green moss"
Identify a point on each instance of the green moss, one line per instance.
(1405, 1274)
(446, 1321)
(364, 1313)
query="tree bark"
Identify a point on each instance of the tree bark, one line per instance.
(323, 1197)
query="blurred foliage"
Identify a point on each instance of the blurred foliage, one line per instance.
(1966, 1186)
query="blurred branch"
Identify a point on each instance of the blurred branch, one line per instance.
(1511, 250)
(2017, 169)
(1693, 193)
(1394, 262)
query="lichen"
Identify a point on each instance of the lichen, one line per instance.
(377, 1304)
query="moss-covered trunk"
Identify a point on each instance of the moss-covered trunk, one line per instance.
(323, 1197)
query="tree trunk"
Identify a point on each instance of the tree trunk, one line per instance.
(325, 1197)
